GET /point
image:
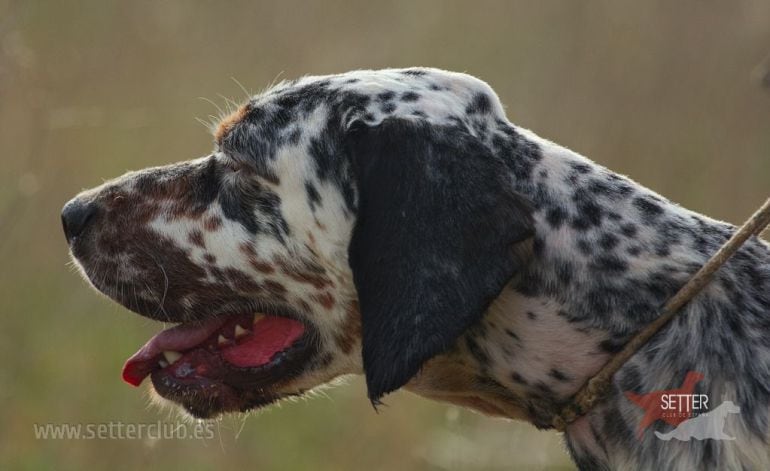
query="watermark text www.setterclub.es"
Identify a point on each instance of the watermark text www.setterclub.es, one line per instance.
(118, 430)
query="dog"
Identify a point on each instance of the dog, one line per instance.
(395, 224)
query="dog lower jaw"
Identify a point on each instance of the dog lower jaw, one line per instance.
(209, 403)
(226, 367)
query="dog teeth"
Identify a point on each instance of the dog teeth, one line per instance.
(222, 340)
(258, 317)
(240, 331)
(163, 363)
(171, 356)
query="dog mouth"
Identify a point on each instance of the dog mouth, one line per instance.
(227, 363)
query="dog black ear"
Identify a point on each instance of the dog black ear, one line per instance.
(434, 242)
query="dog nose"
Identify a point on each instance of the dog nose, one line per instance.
(75, 216)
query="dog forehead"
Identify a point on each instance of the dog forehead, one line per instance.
(433, 94)
(373, 82)
(309, 105)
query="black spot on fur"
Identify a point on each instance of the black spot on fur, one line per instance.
(599, 187)
(410, 97)
(608, 241)
(512, 334)
(538, 246)
(580, 224)
(326, 154)
(244, 205)
(206, 186)
(313, 198)
(569, 316)
(630, 379)
(236, 209)
(660, 285)
(543, 388)
(305, 99)
(628, 230)
(580, 167)
(479, 104)
(294, 137)
(610, 263)
(519, 154)
(387, 108)
(584, 247)
(476, 351)
(611, 346)
(564, 271)
(517, 378)
(555, 216)
(648, 207)
(589, 213)
(558, 375)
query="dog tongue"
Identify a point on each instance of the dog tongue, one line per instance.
(270, 335)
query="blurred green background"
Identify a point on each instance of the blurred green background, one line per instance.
(674, 94)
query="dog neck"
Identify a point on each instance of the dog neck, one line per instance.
(607, 254)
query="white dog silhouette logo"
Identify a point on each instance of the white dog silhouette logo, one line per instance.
(704, 426)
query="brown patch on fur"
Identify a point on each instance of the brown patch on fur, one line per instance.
(351, 330)
(241, 281)
(261, 266)
(251, 255)
(146, 212)
(248, 249)
(209, 258)
(164, 270)
(172, 188)
(228, 123)
(212, 223)
(275, 287)
(196, 238)
(325, 299)
(310, 273)
(305, 306)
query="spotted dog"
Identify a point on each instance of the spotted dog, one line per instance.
(395, 224)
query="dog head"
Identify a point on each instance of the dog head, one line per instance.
(343, 224)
